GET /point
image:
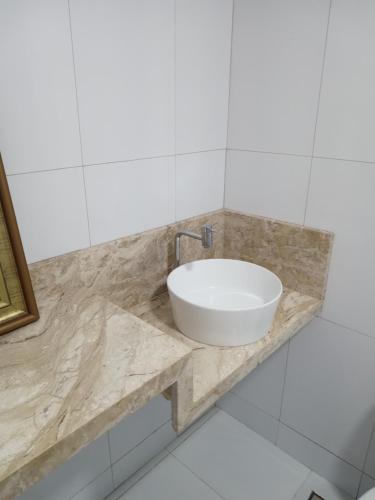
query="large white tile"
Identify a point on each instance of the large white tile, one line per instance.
(370, 459)
(51, 212)
(38, 118)
(267, 184)
(73, 475)
(199, 183)
(127, 484)
(346, 115)
(264, 386)
(139, 456)
(323, 399)
(124, 54)
(366, 484)
(130, 197)
(341, 199)
(320, 460)
(170, 480)
(322, 487)
(277, 58)
(136, 427)
(203, 43)
(97, 489)
(236, 461)
(250, 415)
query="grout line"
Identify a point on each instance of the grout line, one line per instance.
(79, 123)
(201, 151)
(318, 157)
(110, 459)
(120, 490)
(43, 171)
(284, 383)
(114, 162)
(300, 488)
(268, 152)
(175, 110)
(366, 456)
(162, 455)
(317, 112)
(320, 446)
(141, 442)
(86, 485)
(346, 327)
(199, 477)
(228, 109)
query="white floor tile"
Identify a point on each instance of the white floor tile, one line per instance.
(322, 487)
(320, 460)
(235, 461)
(366, 484)
(170, 480)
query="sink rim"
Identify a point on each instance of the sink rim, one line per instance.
(223, 309)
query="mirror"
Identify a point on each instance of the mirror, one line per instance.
(17, 302)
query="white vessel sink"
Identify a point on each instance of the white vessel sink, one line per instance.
(224, 302)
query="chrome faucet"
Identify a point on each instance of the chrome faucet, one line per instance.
(206, 237)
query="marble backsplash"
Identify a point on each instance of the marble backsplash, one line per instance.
(129, 270)
(134, 269)
(299, 255)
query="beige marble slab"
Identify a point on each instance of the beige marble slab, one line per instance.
(217, 369)
(71, 376)
(90, 361)
(129, 270)
(299, 255)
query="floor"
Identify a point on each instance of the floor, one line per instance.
(223, 459)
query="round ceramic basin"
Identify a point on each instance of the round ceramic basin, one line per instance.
(224, 302)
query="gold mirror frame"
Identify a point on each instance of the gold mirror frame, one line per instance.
(17, 301)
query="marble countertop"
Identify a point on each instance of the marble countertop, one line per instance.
(106, 344)
(87, 363)
(71, 376)
(217, 369)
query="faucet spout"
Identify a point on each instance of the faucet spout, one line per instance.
(206, 237)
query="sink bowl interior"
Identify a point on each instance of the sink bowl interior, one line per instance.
(223, 301)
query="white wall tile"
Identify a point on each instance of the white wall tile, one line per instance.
(136, 427)
(366, 484)
(250, 415)
(51, 212)
(370, 460)
(321, 487)
(329, 391)
(98, 489)
(124, 54)
(38, 118)
(199, 183)
(267, 184)
(130, 197)
(203, 43)
(342, 200)
(143, 453)
(319, 460)
(264, 386)
(346, 117)
(277, 58)
(73, 475)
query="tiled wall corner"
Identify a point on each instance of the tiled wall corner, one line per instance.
(300, 134)
(100, 103)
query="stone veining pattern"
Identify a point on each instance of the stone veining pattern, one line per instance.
(106, 342)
